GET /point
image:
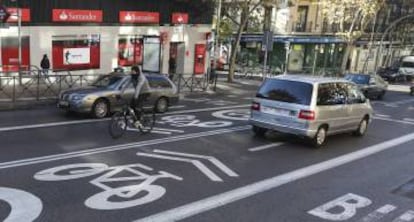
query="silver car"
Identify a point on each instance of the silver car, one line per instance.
(104, 95)
(312, 107)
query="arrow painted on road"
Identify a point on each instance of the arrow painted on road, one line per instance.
(193, 159)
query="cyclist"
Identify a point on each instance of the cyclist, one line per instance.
(140, 84)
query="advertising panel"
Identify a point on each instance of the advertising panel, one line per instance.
(10, 53)
(76, 52)
(76, 56)
(151, 62)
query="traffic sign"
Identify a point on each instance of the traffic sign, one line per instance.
(267, 41)
(4, 14)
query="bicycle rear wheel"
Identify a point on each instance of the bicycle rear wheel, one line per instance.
(118, 125)
(147, 119)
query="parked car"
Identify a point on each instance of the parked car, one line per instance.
(373, 86)
(310, 107)
(104, 95)
(390, 74)
(407, 67)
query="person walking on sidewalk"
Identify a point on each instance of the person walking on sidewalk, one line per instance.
(45, 65)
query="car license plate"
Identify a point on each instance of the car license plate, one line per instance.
(275, 111)
(63, 103)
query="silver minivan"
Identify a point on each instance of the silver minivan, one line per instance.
(312, 107)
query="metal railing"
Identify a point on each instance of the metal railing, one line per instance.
(188, 82)
(39, 86)
(30, 87)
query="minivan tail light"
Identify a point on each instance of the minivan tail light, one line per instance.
(307, 114)
(255, 106)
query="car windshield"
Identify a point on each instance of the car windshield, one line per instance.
(358, 78)
(286, 91)
(107, 82)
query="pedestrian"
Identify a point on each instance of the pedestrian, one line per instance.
(45, 65)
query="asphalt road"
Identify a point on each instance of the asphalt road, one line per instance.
(203, 163)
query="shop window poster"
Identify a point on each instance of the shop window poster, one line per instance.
(76, 52)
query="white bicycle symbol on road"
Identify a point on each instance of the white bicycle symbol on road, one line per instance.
(112, 198)
(190, 120)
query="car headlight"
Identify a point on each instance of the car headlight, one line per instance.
(78, 97)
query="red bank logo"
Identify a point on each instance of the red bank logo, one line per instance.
(139, 17)
(67, 15)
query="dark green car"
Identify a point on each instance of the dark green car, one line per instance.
(104, 96)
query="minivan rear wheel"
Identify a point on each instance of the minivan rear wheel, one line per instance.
(320, 137)
(259, 131)
(362, 128)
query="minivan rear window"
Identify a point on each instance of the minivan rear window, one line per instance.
(286, 91)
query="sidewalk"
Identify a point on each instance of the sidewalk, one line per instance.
(222, 88)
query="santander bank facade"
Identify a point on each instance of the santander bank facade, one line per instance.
(96, 36)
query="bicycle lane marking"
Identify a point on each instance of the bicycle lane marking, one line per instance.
(216, 201)
(24, 206)
(140, 179)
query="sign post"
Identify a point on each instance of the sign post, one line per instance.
(267, 46)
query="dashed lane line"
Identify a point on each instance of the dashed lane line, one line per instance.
(264, 147)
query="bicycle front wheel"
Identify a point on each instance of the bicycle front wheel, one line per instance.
(118, 125)
(147, 120)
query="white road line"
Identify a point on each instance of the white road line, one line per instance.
(205, 170)
(176, 107)
(264, 147)
(382, 115)
(152, 131)
(207, 109)
(223, 199)
(50, 158)
(409, 119)
(213, 160)
(54, 124)
(394, 120)
(168, 130)
(43, 125)
(379, 213)
(406, 217)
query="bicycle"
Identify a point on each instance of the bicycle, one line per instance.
(142, 120)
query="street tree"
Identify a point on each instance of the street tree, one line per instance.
(349, 19)
(238, 14)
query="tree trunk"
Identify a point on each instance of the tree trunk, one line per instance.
(235, 47)
(349, 48)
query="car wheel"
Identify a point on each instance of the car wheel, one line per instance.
(320, 137)
(161, 106)
(381, 95)
(412, 91)
(362, 128)
(259, 131)
(100, 109)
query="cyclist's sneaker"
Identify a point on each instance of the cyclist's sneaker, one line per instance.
(137, 124)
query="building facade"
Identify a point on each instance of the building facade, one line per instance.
(305, 42)
(96, 36)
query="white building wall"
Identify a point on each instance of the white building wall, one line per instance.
(41, 42)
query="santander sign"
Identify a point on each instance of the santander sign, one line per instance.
(69, 15)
